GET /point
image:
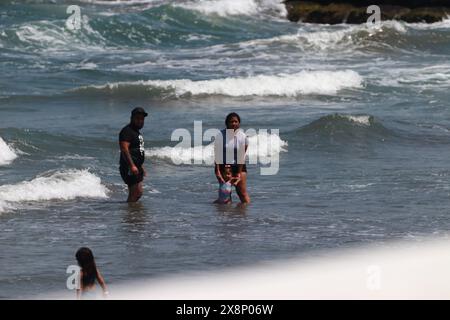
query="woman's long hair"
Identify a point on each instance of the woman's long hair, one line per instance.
(87, 264)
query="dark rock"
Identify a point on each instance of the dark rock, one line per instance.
(349, 11)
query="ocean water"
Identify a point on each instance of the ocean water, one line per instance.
(362, 114)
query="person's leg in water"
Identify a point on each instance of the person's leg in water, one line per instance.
(241, 189)
(135, 192)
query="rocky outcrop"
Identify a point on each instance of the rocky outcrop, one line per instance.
(355, 11)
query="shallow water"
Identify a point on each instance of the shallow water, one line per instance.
(363, 118)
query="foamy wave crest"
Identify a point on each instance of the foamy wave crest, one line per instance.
(60, 185)
(119, 2)
(225, 8)
(289, 85)
(444, 24)
(54, 36)
(361, 120)
(351, 131)
(261, 146)
(434, 76)
(3, 206)
(332, 37)
(7, 154)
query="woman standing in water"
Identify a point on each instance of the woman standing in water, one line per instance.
(88, 275)
(230, 147)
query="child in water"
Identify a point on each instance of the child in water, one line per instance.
(225, 187)
(88, 275)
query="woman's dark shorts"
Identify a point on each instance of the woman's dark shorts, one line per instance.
(234, 168)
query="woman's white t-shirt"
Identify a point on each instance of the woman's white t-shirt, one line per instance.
(229, 146)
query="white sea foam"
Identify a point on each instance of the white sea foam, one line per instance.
(444, 24)
(261, 146)
(317, 39)
(7, 154)
(74, 157)
(346, 35)
(235, 7)
(330, 37)
(223, 7)
(362, 120)
(51, 36)
(421, 77)
(3, 206)
(290, 85)
(119, 2)
(326, 39)
(83, 65)
(218, 7)
(59, 185)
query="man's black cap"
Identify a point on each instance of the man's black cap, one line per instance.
(138, 110)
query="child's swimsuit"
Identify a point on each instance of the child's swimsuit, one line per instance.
(225, 192)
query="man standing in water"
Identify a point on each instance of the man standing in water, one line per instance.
(132, 154)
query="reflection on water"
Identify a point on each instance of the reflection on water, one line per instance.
(136, 216)
(239, 209)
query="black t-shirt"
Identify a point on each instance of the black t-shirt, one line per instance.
(136, 140)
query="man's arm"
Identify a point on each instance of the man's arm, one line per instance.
(125, 149)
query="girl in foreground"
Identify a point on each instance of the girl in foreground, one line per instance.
(88, 275)
(225, 188)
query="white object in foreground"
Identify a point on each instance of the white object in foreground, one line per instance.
(400, 271)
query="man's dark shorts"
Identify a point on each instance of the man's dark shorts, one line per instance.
(129, 178)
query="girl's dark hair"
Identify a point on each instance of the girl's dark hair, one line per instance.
(232, 115)
(86, 262)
